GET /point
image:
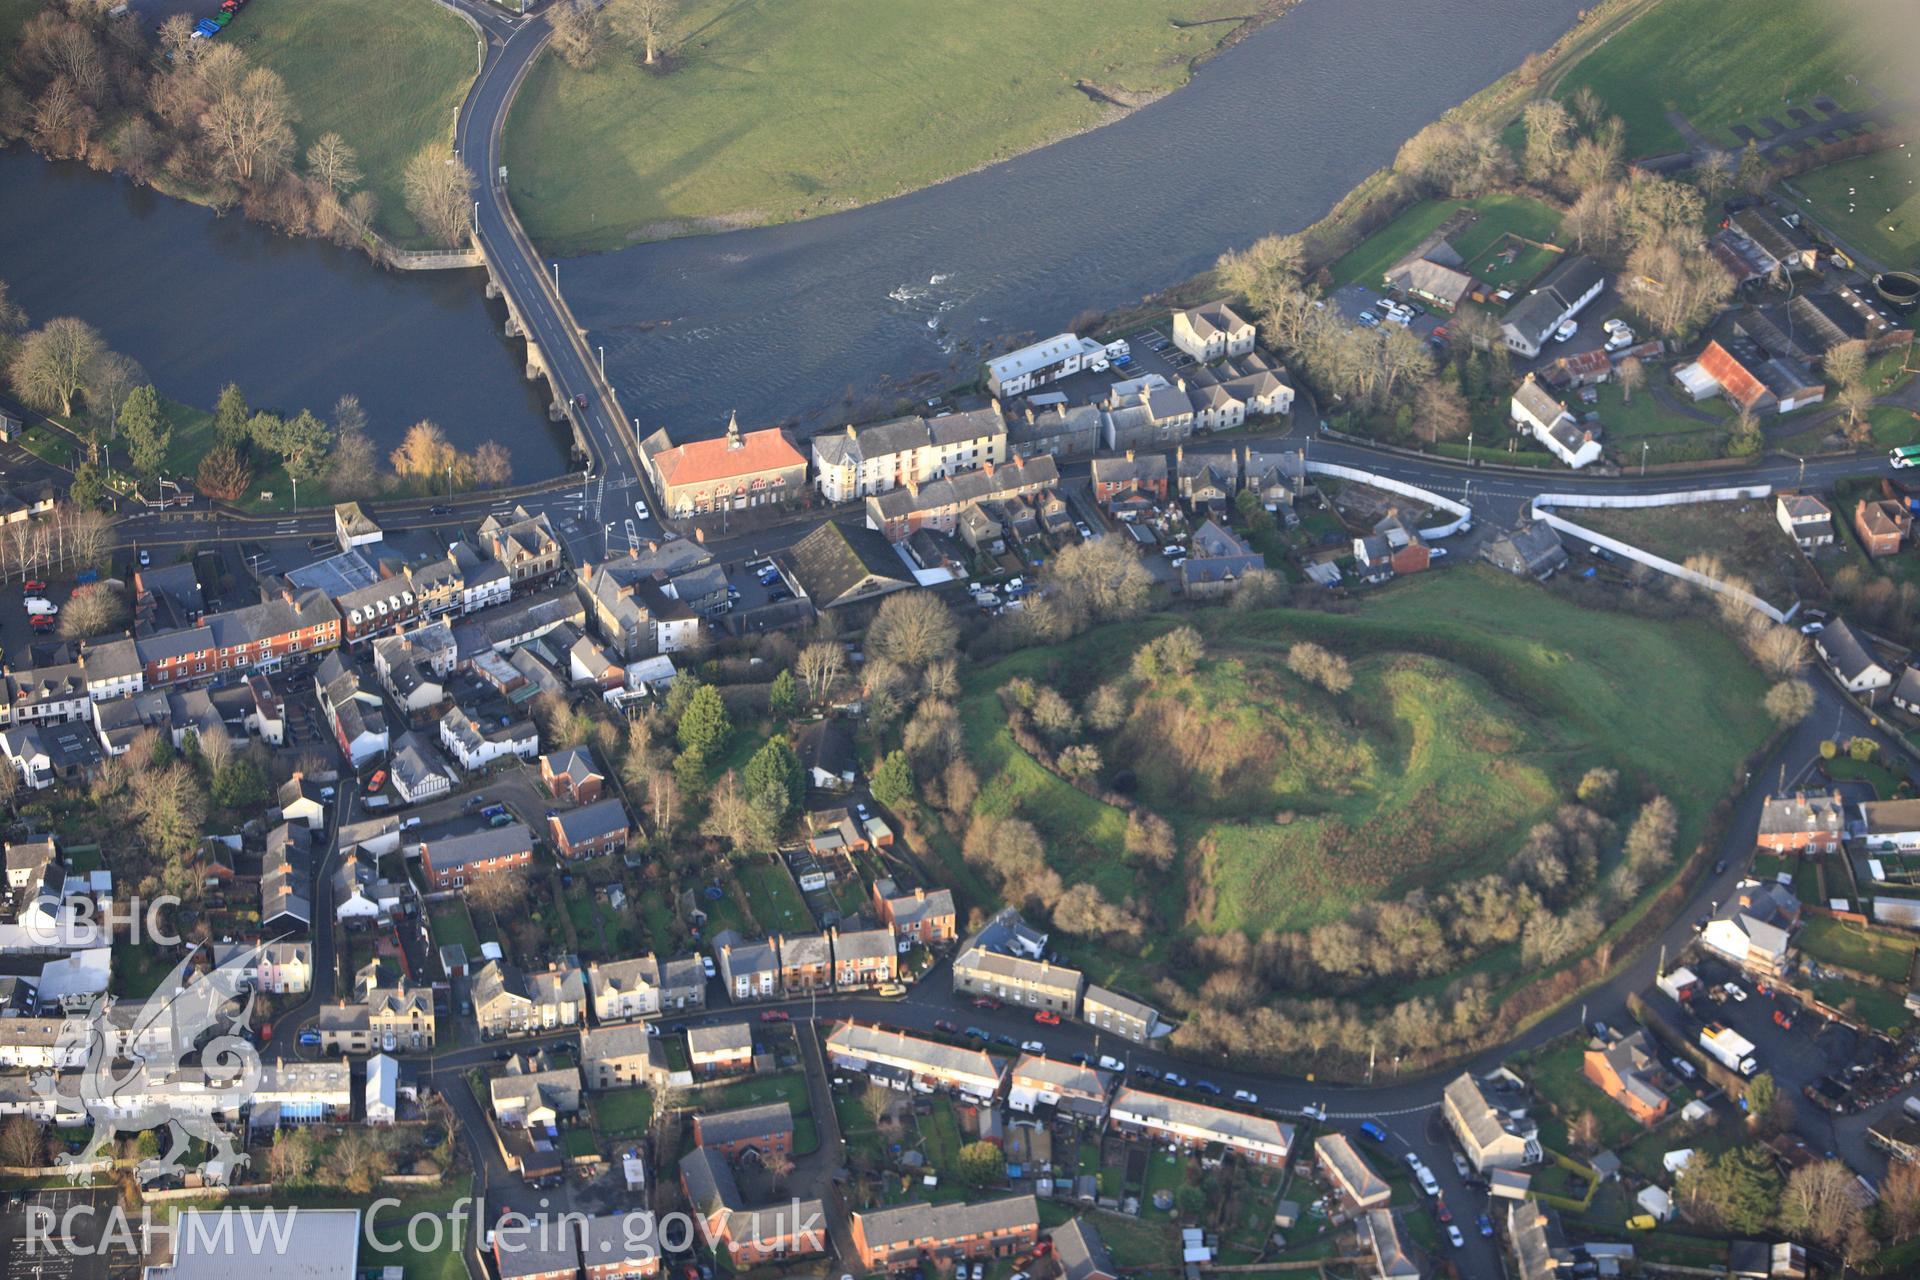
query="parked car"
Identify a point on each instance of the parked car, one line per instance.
(706, 962)
(1033, 1046)
(1207, 1086)
(1813, 628)
(943, 1024)
(1047, 1018)
(1372, 1130)
(377, 782)
(776, 1015)
(1175, 1079)
(1454, 1237)
(33, 585)
(1566, 331)
(1735, 992)
(977, 1033)
(40, 605)
(985, 1002)
(309, 1037)
(1247, 1096)
(146, 559)
(1485, 1224)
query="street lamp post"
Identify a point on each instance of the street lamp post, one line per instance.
(556, 277)
(603, 363)
(1469, 446)
(1644, 446)
(1803, 470)
(296, 491)
(449, 482)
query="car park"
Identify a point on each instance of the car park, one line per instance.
(1368, 320)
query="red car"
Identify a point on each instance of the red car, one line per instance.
(1047, 1018)
(33, 586)
(41, 622)
(1442, 1212)
(776, 1015)
(985, 1002)
(942, 1024)
(377, 781)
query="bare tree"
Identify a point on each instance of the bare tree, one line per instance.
(332, 163)
(492, 465)
(52, 364)
(912, 628)
(821, 666)
(643, 22)
(251, 126)
(1440, 411)
(1790, 701)
(439, 190)
(1631, 375)
(577, 32)
(23, 1143)
(110, 379)
(92, 609)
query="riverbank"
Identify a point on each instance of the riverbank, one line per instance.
(764, 115)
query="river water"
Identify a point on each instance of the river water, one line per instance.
(783, 323)
(202, 301)
(778, 323)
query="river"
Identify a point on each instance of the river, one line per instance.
(202, 301)
(781, 323)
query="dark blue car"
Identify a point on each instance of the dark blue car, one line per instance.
(1373, 1131)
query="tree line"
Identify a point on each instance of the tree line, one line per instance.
(195, 116)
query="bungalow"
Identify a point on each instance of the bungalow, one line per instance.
(1845, 651)
(888, 1239)
(1805, 519)
(1433, 270)
(1891, 824)
(1195, 1124)
(1212, 332)
(1883, 525)
(827, 754)
(1537, 413)
(1566, 289)
(1628, 1072)
(1359, 1186)
(721, 1050)
(1803, 824)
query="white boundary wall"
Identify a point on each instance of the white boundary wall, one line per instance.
(1542, 510)
(1461, 510)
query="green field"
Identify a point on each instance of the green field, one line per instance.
(1478, 701)
(779, 111)
(1871, 204)
(623, 1113)
(1367, 263)
(1883, 953)
(1697, 58)
(776, 899)
(386, 75)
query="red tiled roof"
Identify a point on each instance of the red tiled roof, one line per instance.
(700, 461)
(1741, 387)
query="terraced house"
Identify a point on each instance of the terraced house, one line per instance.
(859, 461)
(925, 916)
(902, 1060)
(389, 1019)
(509, 1002)
(450, 863)
(1195, 1124)
(625, 989)
(888, 1238)
(902, 512)
(864, 957)
(1032, 984)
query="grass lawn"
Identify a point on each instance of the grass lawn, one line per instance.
(1479, 702)
(1882, 953)
(137, 970)
(1644, 418)
(1885, 781)
(755, 1090)
(1135, 1243)
(1871, 202)
(1367, 262)
(777, 902)
(386, 75)
(778, 111)
(1744, 535)
(1685, 56)
(451, 925)
(580, 1143)
(1879, 1008)
(1554, 1071)
(622, 1113)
